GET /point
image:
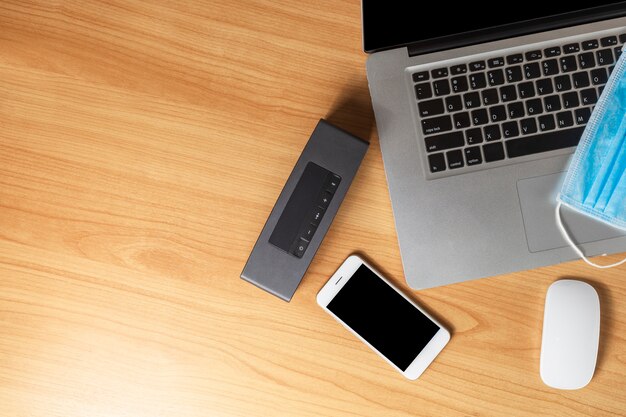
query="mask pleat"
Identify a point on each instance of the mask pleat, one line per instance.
(616, 205)
(610, 169)
(611, 185)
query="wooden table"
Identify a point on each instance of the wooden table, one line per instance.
(142, 146)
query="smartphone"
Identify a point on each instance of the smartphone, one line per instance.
(386, 320)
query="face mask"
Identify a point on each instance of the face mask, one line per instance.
(595, 183)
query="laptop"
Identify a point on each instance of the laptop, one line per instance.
(477, 119)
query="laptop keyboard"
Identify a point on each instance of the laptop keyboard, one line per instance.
(477, 113)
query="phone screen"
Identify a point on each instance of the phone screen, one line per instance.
(383, 317)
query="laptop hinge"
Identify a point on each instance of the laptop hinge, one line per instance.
(517, 29)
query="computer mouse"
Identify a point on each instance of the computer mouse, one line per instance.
(571, 331)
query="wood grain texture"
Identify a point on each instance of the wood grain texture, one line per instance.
(142, 146)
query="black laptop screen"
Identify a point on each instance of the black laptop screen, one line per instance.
(393, 23)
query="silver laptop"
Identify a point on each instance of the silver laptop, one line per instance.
(477, 122)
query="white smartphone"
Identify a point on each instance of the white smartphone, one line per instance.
(382, 317)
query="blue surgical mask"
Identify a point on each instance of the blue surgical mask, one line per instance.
(595, 183)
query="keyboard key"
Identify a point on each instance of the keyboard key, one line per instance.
(534, 107)
(590, 44)
(622, 38)
(600, 89)
(473, 156)
(316, 216)
(564, 119)
(493, 152)
(508, 93)
(554, 51)
(474, 136)
(461, 120)
(439, 72)
(436, 124)
(570, 100)
(586, 60)
(513, 74)
(495, 62)
(526, 90)
(323, 202)
(610, 69)
(533, 55)
(562, 83)
(420, 76)
(509, 129)
(308, 231)
(300, 248)
(490, 96)
(618, 52)
(331, 183)
(477, 80)
(516, 110)
(444, 141)
(480, 117)
(492, 132)
(552, 103)
(580, 79)
(550, 67)
(582, 115)
(477, 65)
(471, 100)
(495, 77)
(532, 70)
(455, 159)
(544, 86)
(459, 84)
(437, 162)
(605, 57)
(514, 59)
(570, 48)
(441, 87)
(528, 126)
(546, 122)
(454, 103)
(543, 142)
(568, 63)
(609, 41)
(458, 69)
(430, 107)
(599, 76)
(588, 96)
(423, 91)
(497, 113)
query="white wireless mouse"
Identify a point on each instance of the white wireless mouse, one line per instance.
(571, 330)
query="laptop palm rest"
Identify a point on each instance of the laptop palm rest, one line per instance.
(538, 201)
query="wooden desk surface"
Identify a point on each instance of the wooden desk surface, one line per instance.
(142, 145)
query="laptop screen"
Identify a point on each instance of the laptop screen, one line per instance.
(388, 24)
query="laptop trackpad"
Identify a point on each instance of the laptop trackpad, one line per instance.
(538, 200)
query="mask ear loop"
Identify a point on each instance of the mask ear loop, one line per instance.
(576, 249)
